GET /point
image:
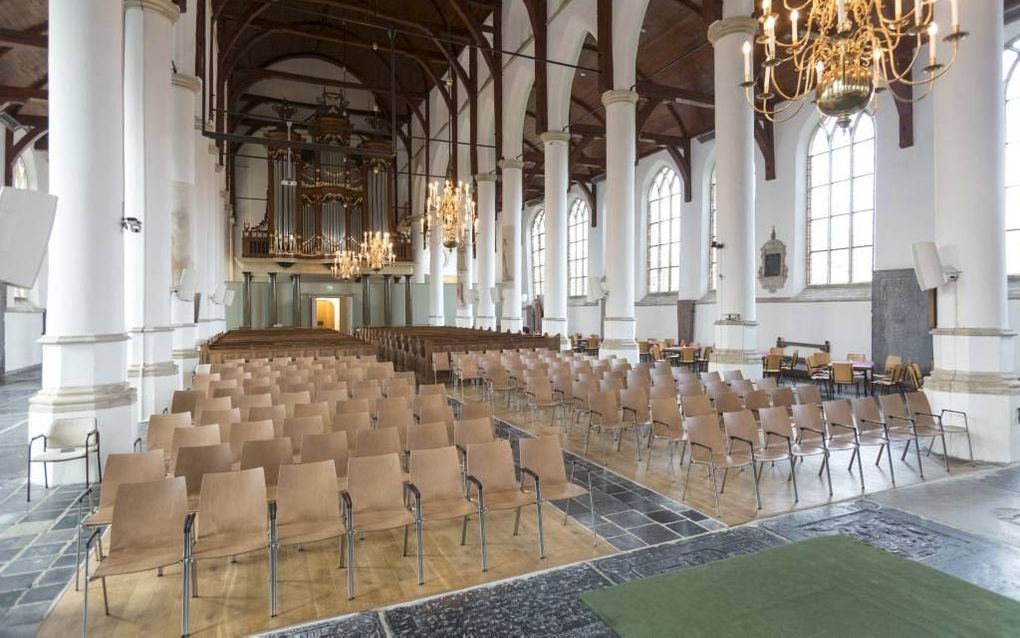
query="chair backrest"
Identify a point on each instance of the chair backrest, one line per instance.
(728, 402)
(492, 463)
(352, 424)
(893, 405)
(297, 427)
(249, 431)
(773, 362)
(426, 436)
(444, 414)
(690, 389)
(703, 429)
(838, 411)
(249, 401)
(808, 419)
(768, 383)
(233, 504)
(606, 404)
(808, 394)
(757, 399)
(378, 442)
(222, 418)
(185, 401)
(470, 431)
(842, 372)
(891, 361)
(319, 409)
(401, 392)
(275, 413)
(375, 483)
(475, 410)
(195, 462)
(307, 493)
(666, 413)
(636, 400)
(149, 515)
(696, 405)
(160, 434)
(856, 356)
(395, 418)
(866, 408)
(426, 401)
(209, 403)
(741, 387)
(435, 471)
(783, 396)
(391, 403)
(130, 468)
(193, 437)
(331, 446)
(776, 420)
(352, 406)
(611, 384)
(269, 455)
(290, 399)
(920, 409)
(732, 375)
(543, 455)
(431, 388)
(741, 424)
(663, 392)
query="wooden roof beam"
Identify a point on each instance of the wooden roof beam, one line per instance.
(11, 38)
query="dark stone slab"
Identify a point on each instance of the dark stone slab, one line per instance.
(899, 317)
(17, 582)
(664, 516)
(627, 519)
(990, 565)
(685, 553)
(542, 605)
(25, 565)
(46, 593)
(686, 528)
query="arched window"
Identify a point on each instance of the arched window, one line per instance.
(841, 202)
(713, 254)
(577, 248)
(537, 254)
(1011, 72)
(20, 178)
(664, 232)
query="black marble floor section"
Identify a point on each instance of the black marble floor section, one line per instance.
(627, 515)
(37, 548)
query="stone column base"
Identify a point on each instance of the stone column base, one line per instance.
(151, 370)
(736, 348)
(554, 325)
(112, 406)
(436, 320)
(619, 339)
(975, 375)
(513, 324)
(465, 321)
(485, 322)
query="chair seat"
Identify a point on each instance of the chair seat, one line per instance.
(933, 430)
(56, 455)
(562, 491)
(437, 510)
(102, 516)
(380, 520)
(507, 499)
(901, 434)
(873, 438)
(220, 545)
(130, 561)
(544, 404)
(807, 449)
(308, 532)
(723, 460)
(772, 453)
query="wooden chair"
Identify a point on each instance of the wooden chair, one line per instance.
(741, 427)
(542, 457)
(223, 418)
(270, 455)
(773, 366)
(375, 501)
(185, 401)
(813, 435)
(298, 427)
(275, 413)
(493, 481)
(807, 394)
(474, 410)
(709, 449)
(307, 510)
(667, 426)
(871, 429)
(195, 462)
(888, 383)
(290, 399)
(145, 534)
(160, 433)
(208, 403)
(473, 431)
(900, 424)
(378, 442)
(426, 436)
(319, 409)
(249, 401)
(604, 415)
(192, 437)
(232, 511)
(931, 425)
(783, 397)
(728, 402)
(352, 424)
(696, 405)
(248, 431)
(331, 446)
(777, 429)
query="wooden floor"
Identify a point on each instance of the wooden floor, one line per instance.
(233, 598)
(737, 504)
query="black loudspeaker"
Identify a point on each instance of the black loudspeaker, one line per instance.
(26, 220)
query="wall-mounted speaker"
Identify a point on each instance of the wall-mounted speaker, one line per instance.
(26, 220)
(228, 298)
(494, 294)
(928, 265)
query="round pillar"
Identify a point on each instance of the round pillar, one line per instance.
(513, 195)
(485, 248)
(557, 182)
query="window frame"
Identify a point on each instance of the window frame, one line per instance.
(665, 189)
(830, 129)
(577, 248)
(536, 238)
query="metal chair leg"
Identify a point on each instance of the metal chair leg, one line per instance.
(793, 477)
(715, 491)
(541, 532)
(828, 473)
(418, 546)
(481, 533)
(517, 521)
(757, 492)
(860, 468)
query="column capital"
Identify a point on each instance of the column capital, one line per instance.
(167, 8)
(619, 95)
(508, 162)
(486, 177)
(555, 136)
(742, 25)
(189, 82)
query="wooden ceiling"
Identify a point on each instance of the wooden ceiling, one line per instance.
(674, 66)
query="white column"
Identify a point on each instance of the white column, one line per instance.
(418, 248)
(148, 51)
(513, 195)
(437, 316)
(736, 327)
(974, 362)
(220, 210)
(557, 182)
(486, 249)
(203, 226)
(84, 355)
(183, 223)
(619, 327)
(466, 281)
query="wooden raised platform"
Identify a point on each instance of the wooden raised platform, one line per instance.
(245, 343)
(411, 348)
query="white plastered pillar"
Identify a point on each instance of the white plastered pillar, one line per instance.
(513, 195)
(486, 249)
(557, 181)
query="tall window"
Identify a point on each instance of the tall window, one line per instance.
(713, 254)
(577, 248)
(538, 254)
(841, 202)
(664, 232)
(1011, 70)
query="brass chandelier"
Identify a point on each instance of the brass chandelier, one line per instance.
(347, 261)
(450, 212)
(377, 250)
(845, 52)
